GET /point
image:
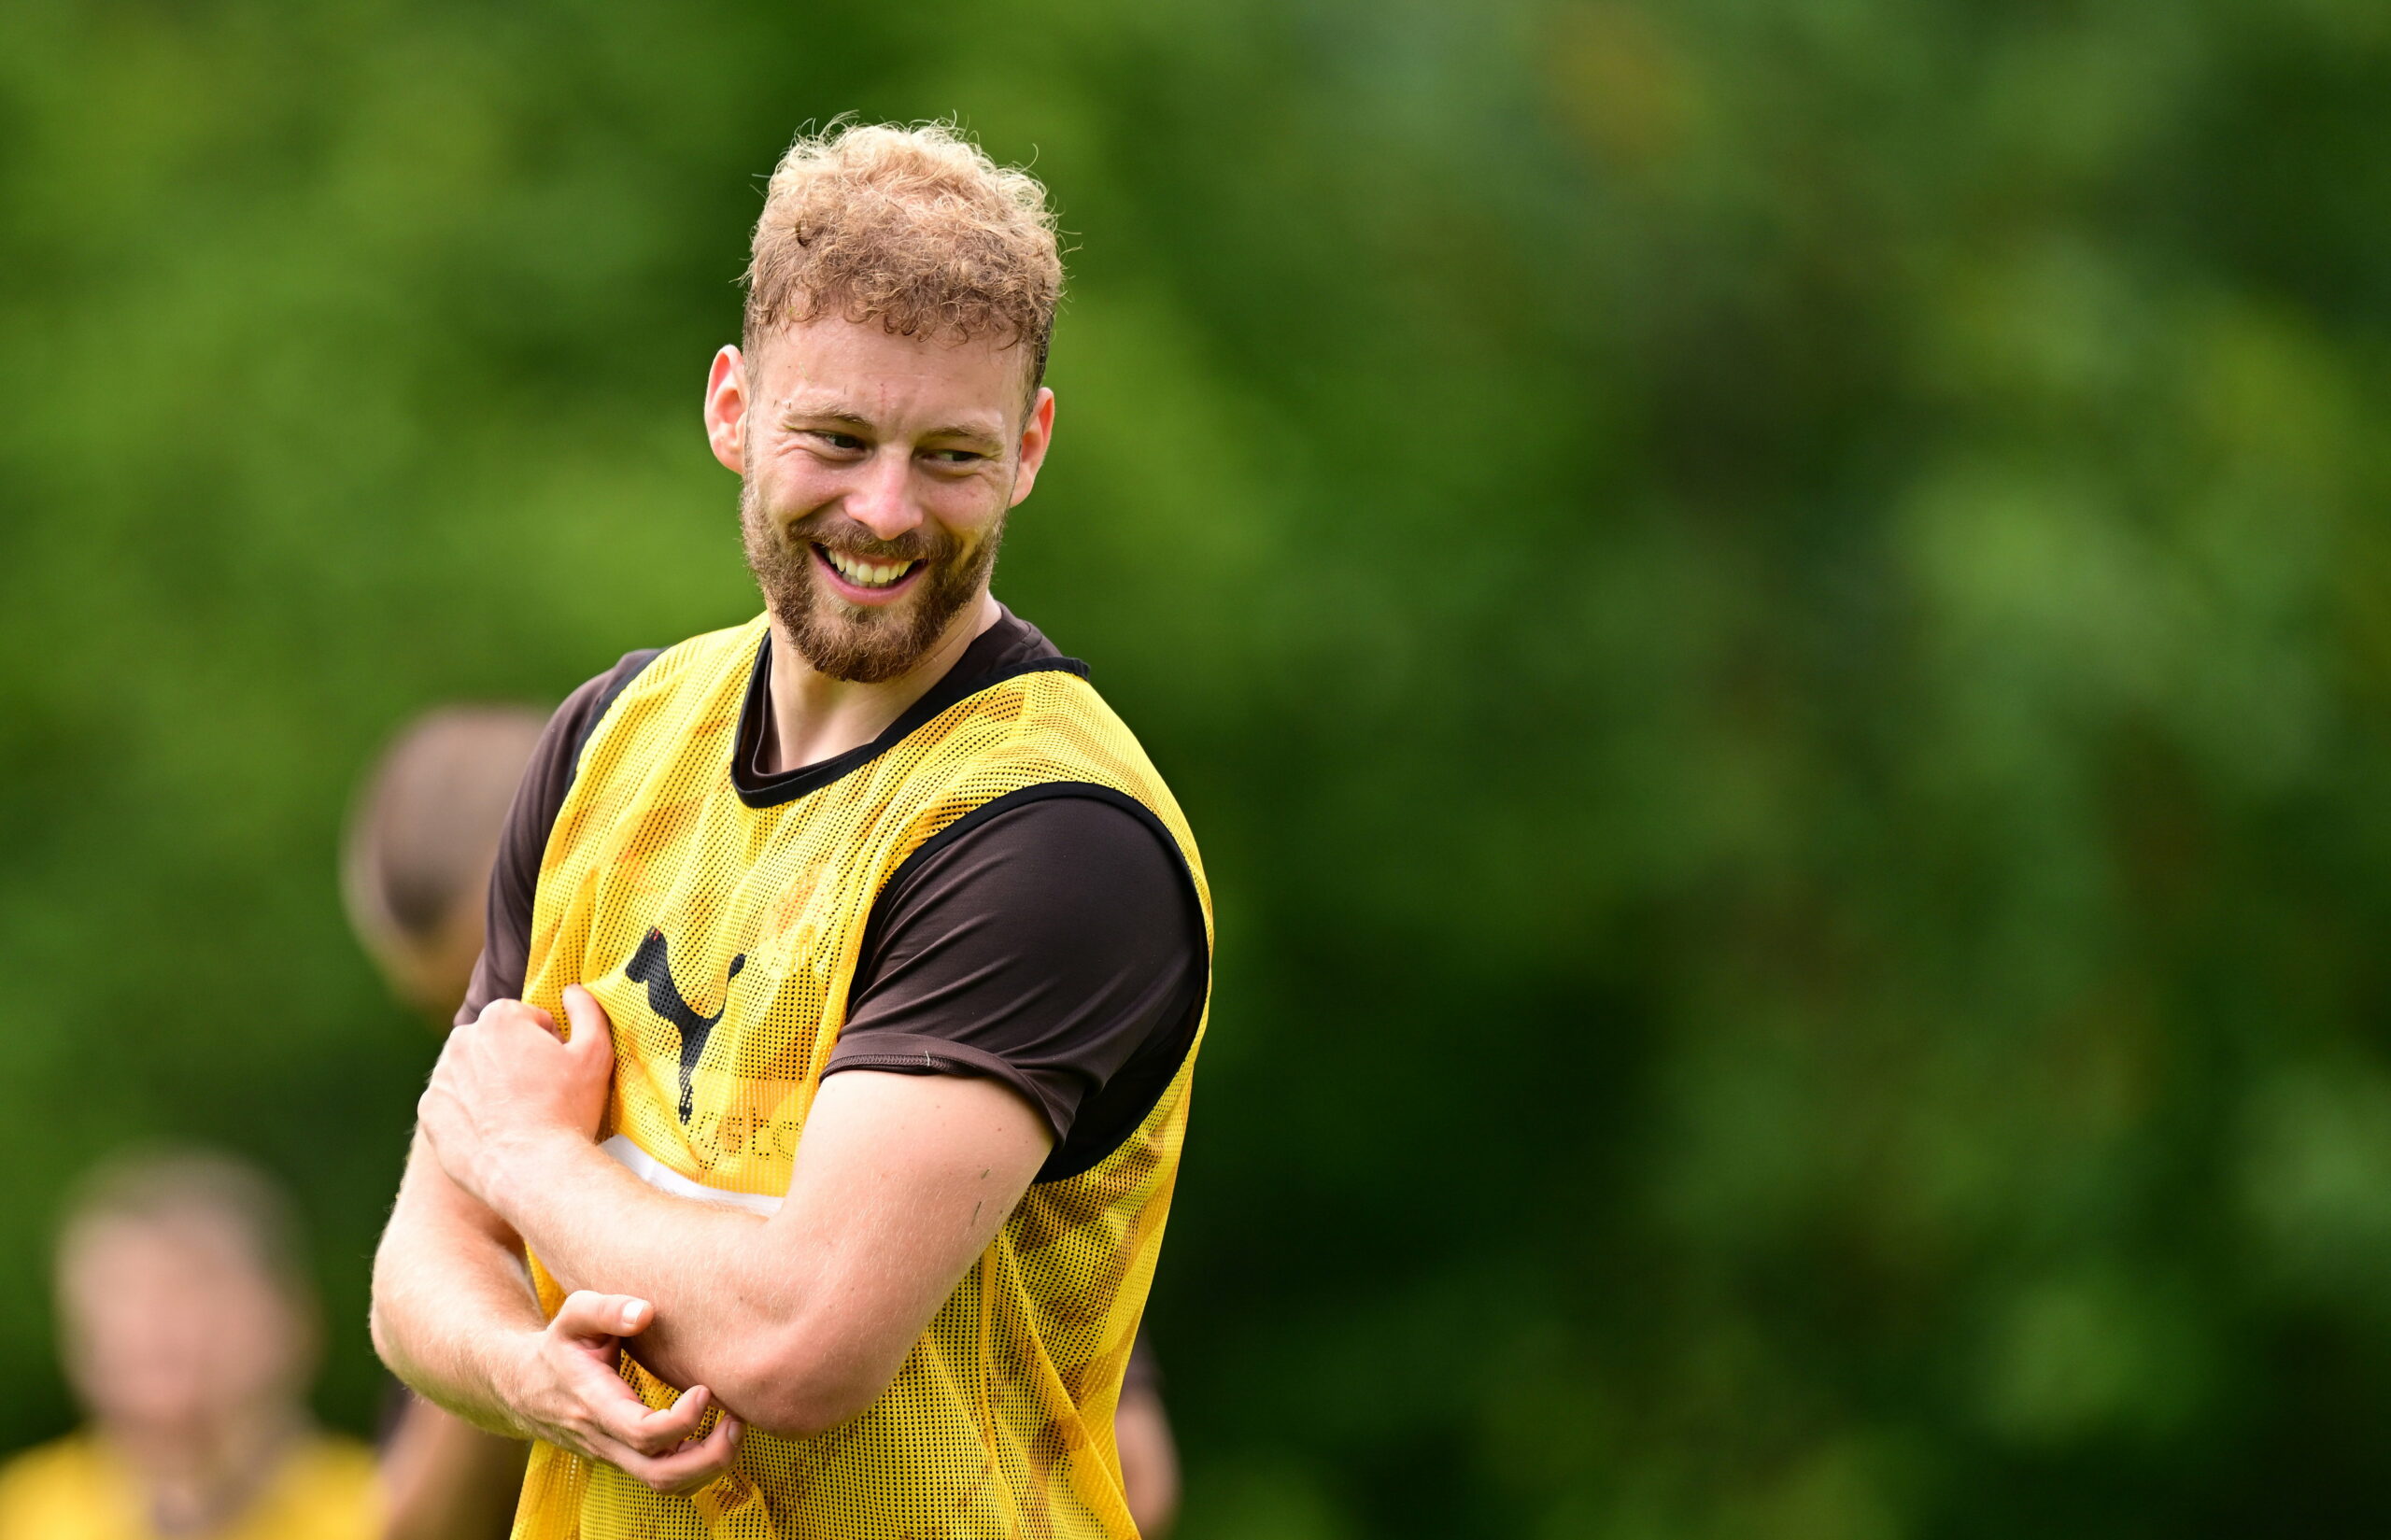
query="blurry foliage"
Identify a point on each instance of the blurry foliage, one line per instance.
(1777, 621)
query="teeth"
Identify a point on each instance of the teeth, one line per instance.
(868, 574)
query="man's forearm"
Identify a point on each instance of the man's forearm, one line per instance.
(455, 1315)
(454, 1308)
(595, 1225)
(794, 1324)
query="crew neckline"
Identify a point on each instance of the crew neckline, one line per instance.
(1006, 650)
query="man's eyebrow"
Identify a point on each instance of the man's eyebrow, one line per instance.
(967, 433)
(827, 414)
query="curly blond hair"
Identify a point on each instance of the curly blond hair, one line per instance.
(915, 228)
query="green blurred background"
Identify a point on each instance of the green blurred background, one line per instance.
(1775, 619)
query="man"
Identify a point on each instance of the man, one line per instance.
(415, 861)
(190, 1334)
(832, 1046)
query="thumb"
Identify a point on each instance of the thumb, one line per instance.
(592, 1031)
(591, 1316)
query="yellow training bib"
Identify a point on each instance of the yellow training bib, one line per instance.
(722, 938)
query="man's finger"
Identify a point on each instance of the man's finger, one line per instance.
(499, 1010)
(631, 1422)
(589, 1316)
(692, 1466)
(592, 1031)
(607, 1407)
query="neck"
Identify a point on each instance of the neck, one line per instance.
(816, 717)
(195, 1479)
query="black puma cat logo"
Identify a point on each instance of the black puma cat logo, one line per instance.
(650, 965)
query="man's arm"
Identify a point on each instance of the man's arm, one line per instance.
(454, 1315)
(446, 1258)
(797, 1321)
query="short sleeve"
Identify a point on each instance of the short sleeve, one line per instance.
(1054, 944)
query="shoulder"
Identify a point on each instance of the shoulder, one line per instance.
(1029, 895)
(61, 1489)
(1057, 944)
(649, 668)
(571, 725)
(1055, 843)
(1010, 642)
(645, 668)
(327, 1490)
(62, 1458)
(707, 651)
(550, 771)
(332, 1466)
(1042, 732)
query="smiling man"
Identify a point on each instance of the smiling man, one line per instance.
(800, 1162)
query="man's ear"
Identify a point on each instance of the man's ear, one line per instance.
(727, 409)
(1037, 434)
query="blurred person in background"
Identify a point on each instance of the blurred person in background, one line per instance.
(876, 870)
(190, 1331)
(415, 875)
(1149, 1455)
(415, 858)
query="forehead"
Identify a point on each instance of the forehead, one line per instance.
(861, 369)
(190, 1242)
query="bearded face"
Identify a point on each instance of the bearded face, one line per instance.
(875, 474)
(865, 643)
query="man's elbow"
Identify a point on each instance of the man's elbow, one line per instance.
(394, 1328)
(786, 1414)
(796, 1386)
(382, 1324)
(377, 1326)
(382, 1316)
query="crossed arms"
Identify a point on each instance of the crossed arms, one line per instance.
(792, 1324)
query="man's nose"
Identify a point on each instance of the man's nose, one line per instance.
(883, 503)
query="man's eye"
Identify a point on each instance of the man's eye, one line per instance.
(958, 456)
(844, 442)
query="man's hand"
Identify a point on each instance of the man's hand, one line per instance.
(568, 1394)
(506, 1083)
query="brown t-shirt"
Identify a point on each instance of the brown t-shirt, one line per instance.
(1052, 942)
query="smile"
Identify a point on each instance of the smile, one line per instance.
(855, 572)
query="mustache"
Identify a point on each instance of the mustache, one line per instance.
(838, 532)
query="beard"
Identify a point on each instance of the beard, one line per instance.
(863, 646)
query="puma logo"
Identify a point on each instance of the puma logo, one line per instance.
(650, 965)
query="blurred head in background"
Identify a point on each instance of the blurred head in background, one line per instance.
(415, 865)
(186, 1320)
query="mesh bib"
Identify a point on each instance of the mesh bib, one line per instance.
(722, 940)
